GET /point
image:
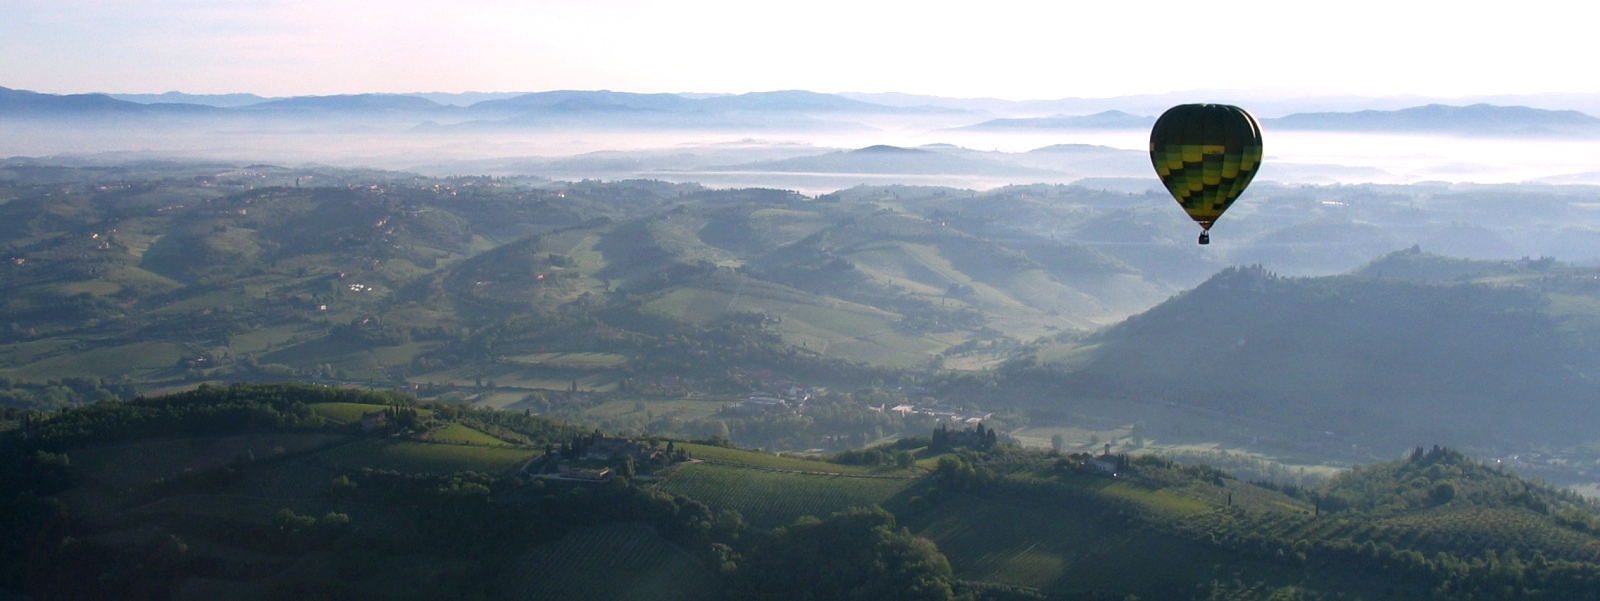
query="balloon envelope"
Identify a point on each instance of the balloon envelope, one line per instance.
(1205, 154)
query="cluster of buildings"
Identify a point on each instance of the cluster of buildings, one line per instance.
(788, 396)
(600, 447)
(970, 418)
(590, 451)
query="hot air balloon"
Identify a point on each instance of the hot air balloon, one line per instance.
(1206, 154)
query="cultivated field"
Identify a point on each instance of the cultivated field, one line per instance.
(780, 462)
(768, 499)
(456, 432)
(429, 458)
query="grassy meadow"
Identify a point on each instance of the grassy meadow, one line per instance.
(768, 499)
(426, 458)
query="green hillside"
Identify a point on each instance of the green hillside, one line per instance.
(167, 281)
(1157, 529)
(1375, 361)
(771, 491)
(261, 492)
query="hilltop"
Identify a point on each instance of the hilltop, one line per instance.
(1411, 347)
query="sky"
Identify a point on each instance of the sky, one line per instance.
(997, 48)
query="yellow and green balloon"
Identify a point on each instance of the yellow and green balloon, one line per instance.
(1206, 154)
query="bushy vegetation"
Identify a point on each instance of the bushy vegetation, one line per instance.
(1437, 477)
(57, 394)
(1377, 520)
(205, 411)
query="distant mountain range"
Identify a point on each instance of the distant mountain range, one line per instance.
(796, 108)
(218, 100)
(888, 159)
(1478, 119)
(1262, 103)
(348, 102)
(23, 102)
(1102, 120)
(563, 101)
(1474, 120)
(235, 100)
(792, 110)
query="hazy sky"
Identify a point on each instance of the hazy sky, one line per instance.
(997, 48)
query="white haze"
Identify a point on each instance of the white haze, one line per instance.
(1291, 156)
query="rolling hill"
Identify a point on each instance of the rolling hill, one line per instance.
(1389, 354)
(265, 492)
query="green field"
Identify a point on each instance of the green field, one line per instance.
(399, 354)
(618, 562)
(209, 300)
(95, 287)
(343, 353)
(455, 432)
(497, 400)
(514, 376)
(680, 408)
(1162, 499)
(262, 340)
(28, 352)
(1074, 438)
(572, 360)
(426, 458)
(770, 499)
(779, 462)
(139, 359)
